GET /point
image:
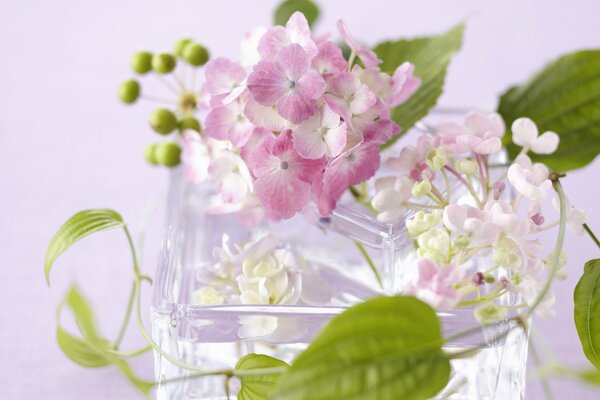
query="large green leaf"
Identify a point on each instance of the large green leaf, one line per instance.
(257, 387)
(288, 7)
(80, 225)
(565, 98)
(92, 350)
(587, 311)
(431, 56)
(387, 348)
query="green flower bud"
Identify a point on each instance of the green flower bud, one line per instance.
(163, 121)
(422, 188)
(461, 241)
(180, 46)
(141, 62)
(436, 158)
(466, 166)
(489, 313)
(150, 153)
(195, 54)
(189, 123)
(489, 279)
(422, 221)
(129, 91)
(168, 154)
(163, 63)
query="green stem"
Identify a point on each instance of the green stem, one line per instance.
(126, 319)
(557, 249)
(363, 251)
(591, 234)
(489, 297)
(133, 353)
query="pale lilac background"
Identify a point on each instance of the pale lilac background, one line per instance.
(67, 144)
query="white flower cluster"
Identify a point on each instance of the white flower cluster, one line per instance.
(486, 223)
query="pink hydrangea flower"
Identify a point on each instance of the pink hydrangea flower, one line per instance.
(265, 116)
(288, 82)
(296, 31)
(411, 160)
(348, 96)
(225, 79)
(231, 176)
(367, 56)
(434, 283)
(475, 223)
(480, 133)
(283, 178)
(249, 210)
(229, 122)
(329, 59)
(322, 134)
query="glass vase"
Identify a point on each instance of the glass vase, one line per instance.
(339, 254)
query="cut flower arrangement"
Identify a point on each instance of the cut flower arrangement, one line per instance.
(310, 255)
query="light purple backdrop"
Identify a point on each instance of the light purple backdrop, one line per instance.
(67, 144)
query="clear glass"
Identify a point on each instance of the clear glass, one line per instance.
(210, 337)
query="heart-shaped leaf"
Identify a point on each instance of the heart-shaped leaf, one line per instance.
(77, 227)
(387, 348)
(587, 311)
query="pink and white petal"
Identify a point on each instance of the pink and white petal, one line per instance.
(293, 61)
(298, 32)
(219, 121)
(335, 140)
(547, 143)
(362, 100)
(368, 57)
(329, 59)
(488, 146)
(257, 136)
(311, 85)
(296, 108)
(267, 83)
(282, 194)
(249, 46)
(381, 131)
(240, 133)
(235, 94)
(343, 84)
(272, 41)
(404, 84)
(366, 162)
(264, 116)
(329, 118)
(338, 105)
(335, 182)
(233, 188)
(222, 76)
(484, 125)
(309, 144)
(261, 160)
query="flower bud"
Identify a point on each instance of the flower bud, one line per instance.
(422, 221)
(150, 153)
(141, 62)
(163, 63)
(436, 158)
(422, 188)
(168, 154)
(195, 54)
(163, 121)
(189, 123)
(129, 91)
(462, 241)
(466, 166)
(490, 313)
(180, 46)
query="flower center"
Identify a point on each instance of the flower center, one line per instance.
(291, 84)
(322, 131)
(351, 157)
(284, 165)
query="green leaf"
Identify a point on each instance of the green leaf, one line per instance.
(565, 98)
(79, 350)
(92, 350)
(80, 225)
(431, 56)
(258, 387)
(587, 311)
(288, 7)
(387, 348)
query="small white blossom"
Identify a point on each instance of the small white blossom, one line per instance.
(526, 135)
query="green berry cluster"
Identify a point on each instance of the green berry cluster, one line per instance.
(179, 117)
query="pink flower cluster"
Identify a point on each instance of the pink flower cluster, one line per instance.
(305, 122)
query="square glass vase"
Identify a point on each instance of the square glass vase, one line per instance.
(215, 337)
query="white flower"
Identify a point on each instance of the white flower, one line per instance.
(526, 135)
(475, 223)
(207, 296)
(504, 217)
(434, 244)
(576, 217)
(423, 221)
(231, 175)
(391, 193)
(530, 180)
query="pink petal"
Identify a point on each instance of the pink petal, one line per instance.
(295, 108)
(260, 159)
(329, 59)
(381, 131)
(293, 61)
(229, 123)
(362, 100)
(336, 139)
(265, 116)
(309, 144)
(298, 32)
(368, 57)
(267, 83)
(223, 76)
(272, 41)
(311, 85)
(338, 105)
(404, 84)
(481, 124)
(343, 84)
(305, 169)
(257, 136)
(282, 194)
